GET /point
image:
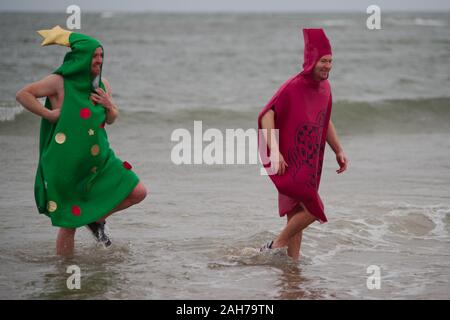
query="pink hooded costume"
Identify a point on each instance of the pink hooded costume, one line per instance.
(302, 109)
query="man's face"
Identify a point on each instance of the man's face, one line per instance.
(97, 60)
(323, 67)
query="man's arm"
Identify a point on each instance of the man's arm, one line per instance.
(332, 138)
(105, 99)
(334, 143)
(268, 123)
(47, 87)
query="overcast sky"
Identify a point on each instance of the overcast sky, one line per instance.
(224, 5)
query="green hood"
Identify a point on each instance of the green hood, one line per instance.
(77, 63)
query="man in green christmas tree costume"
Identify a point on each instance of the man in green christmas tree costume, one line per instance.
(79, 180)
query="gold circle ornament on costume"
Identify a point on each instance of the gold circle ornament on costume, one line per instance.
(60, 138)
(52, 206)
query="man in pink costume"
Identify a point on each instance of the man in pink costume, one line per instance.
(300, 111)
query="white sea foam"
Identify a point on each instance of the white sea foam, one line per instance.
(336, 23)
(417, 22)
(10, 113)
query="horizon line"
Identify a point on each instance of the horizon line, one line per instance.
(443, 11)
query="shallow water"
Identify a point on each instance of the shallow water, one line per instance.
(196, 235)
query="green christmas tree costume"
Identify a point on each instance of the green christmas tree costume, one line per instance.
(79, 179)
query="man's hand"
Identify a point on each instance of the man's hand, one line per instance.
(53, 115)
(101, 97)
(342, 161)
(105, 99)
(278, 162)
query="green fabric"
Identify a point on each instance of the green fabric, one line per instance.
(67, 188)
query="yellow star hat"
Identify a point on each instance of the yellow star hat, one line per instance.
(56, 35)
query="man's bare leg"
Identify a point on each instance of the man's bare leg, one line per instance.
(137, 195)
(293, 249)
(98, 228)
(65, 242)
(296, 224)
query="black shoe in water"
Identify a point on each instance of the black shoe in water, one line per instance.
(99, 232)
(266, 247)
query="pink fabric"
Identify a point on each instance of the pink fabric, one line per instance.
(287, 205)
(302, 108)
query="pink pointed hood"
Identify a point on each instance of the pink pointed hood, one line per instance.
(317, 45)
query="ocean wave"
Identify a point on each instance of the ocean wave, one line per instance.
(417, 22)
(107, 14)
(337, 23)
(425, 115)
(430, 22)
(8, 112)
(397, 224)
(403, 115)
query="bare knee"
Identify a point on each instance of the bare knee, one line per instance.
(297, 210)
(139, 193)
